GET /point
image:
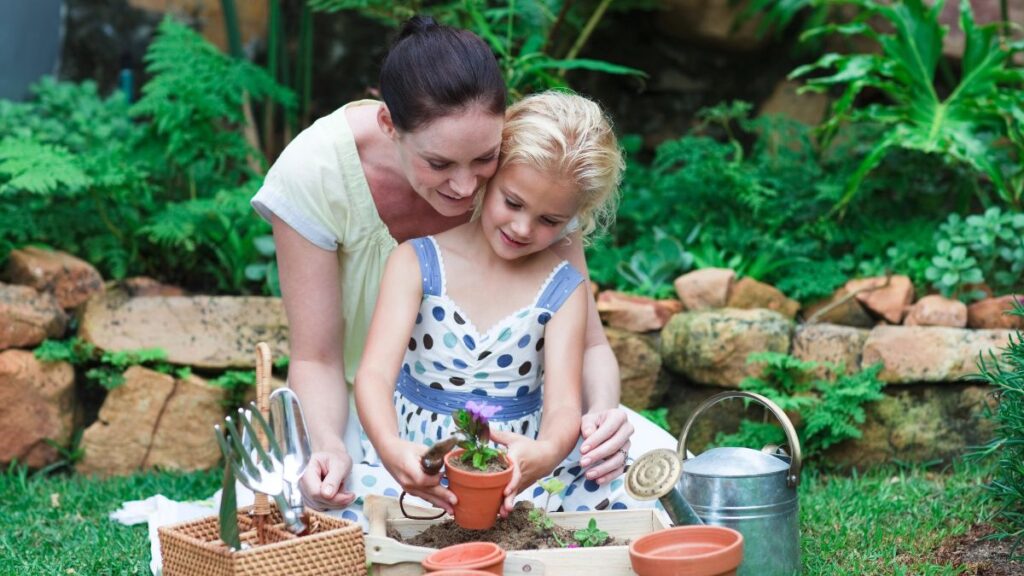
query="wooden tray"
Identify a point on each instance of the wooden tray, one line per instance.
(390, 557)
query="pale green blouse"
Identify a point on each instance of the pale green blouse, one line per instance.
(318, 187)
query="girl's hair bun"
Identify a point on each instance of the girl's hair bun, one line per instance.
(416, 25)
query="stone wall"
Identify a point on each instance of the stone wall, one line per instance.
(668, 358)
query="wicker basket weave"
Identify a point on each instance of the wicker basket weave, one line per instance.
(334, 546)
(331, 545)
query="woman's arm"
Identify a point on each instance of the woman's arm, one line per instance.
(398, 303)
(312, 300)
(560, 424)
(605, 428)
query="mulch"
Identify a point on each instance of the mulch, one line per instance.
(980, 555)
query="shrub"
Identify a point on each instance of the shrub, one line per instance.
(1006, 374)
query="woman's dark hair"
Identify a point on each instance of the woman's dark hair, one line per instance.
(434, 70)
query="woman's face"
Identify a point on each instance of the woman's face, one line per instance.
(525, 210)
(448, 160)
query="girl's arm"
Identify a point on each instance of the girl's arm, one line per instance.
(311, 294)
(401, 292)
(605, 427)
(560, 423)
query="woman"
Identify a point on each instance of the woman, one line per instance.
(370, 175)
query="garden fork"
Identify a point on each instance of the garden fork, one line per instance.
(254, 467)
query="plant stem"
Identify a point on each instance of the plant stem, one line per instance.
(587, 30)
(273, 51)
(305, 64)
(231, 27)
(557, 25)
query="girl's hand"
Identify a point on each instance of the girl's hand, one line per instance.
(605, 444)
(533, 459)
(402, 459)
(322, 485)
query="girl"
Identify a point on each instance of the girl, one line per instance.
(487, 311)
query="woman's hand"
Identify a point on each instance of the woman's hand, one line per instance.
(402, 460)
(533, 459)
(605, 444)
(322, 484)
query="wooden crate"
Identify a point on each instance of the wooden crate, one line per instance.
(390, 557)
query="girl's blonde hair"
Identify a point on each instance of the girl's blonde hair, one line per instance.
(565, 134)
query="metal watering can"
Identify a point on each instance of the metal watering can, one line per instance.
(751, 491)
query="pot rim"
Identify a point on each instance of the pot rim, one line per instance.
(491, 554)
(733, 547)
(476, 473)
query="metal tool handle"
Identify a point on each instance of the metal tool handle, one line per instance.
(793, 478)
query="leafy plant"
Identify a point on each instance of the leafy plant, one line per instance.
(539, 518)
(967, 126)
(985, 247)
(657, 415)
(67, 456)
(831, 410)
(952, 270)
(524, 34)
(106, 369)
(168, 180)
(473, 422)
(1006, 375)
(237, 383)
(651, 272)
(265, 271)
(591, 535)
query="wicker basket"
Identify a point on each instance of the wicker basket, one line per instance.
(330, 546)
(333, 546)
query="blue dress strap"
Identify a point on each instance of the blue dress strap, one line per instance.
(430, 266)
(566, 279)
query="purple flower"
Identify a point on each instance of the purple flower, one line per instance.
(481, 411)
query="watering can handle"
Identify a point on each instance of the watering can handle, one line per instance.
(793, 478)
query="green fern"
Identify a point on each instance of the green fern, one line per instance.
(27, 165)
(832, 410)
(195, 93)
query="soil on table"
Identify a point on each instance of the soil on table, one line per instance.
(516, 532)
(980, 556)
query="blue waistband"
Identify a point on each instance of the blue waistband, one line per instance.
(448, 401)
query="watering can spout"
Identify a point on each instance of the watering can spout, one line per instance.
(655, 475)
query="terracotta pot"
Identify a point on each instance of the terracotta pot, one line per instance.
(460, 572)
(479, 493)
(468, 558)
(690, 550)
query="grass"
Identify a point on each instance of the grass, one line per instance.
(887, 521)
(59, 525)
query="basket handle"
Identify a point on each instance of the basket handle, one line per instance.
(793, 477)
(261, 504)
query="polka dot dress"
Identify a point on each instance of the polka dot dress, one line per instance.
(448, 361)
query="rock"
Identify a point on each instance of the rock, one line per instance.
(993, 313)
(929, 354)
(153, 420)
(144, 286)
(639, 366)
(635, 313)
(829, 343)
(200, 331)
(845, 311)
(711, 347)
(749, 293)
(918, 424)
(935, 310)
(704, 289)
(890, 302)
(28, 317)
(37, 402)
(70, 280)
(711, 21)
(808, 108)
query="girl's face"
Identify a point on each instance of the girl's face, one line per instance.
(448, 160)
(525, 210)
